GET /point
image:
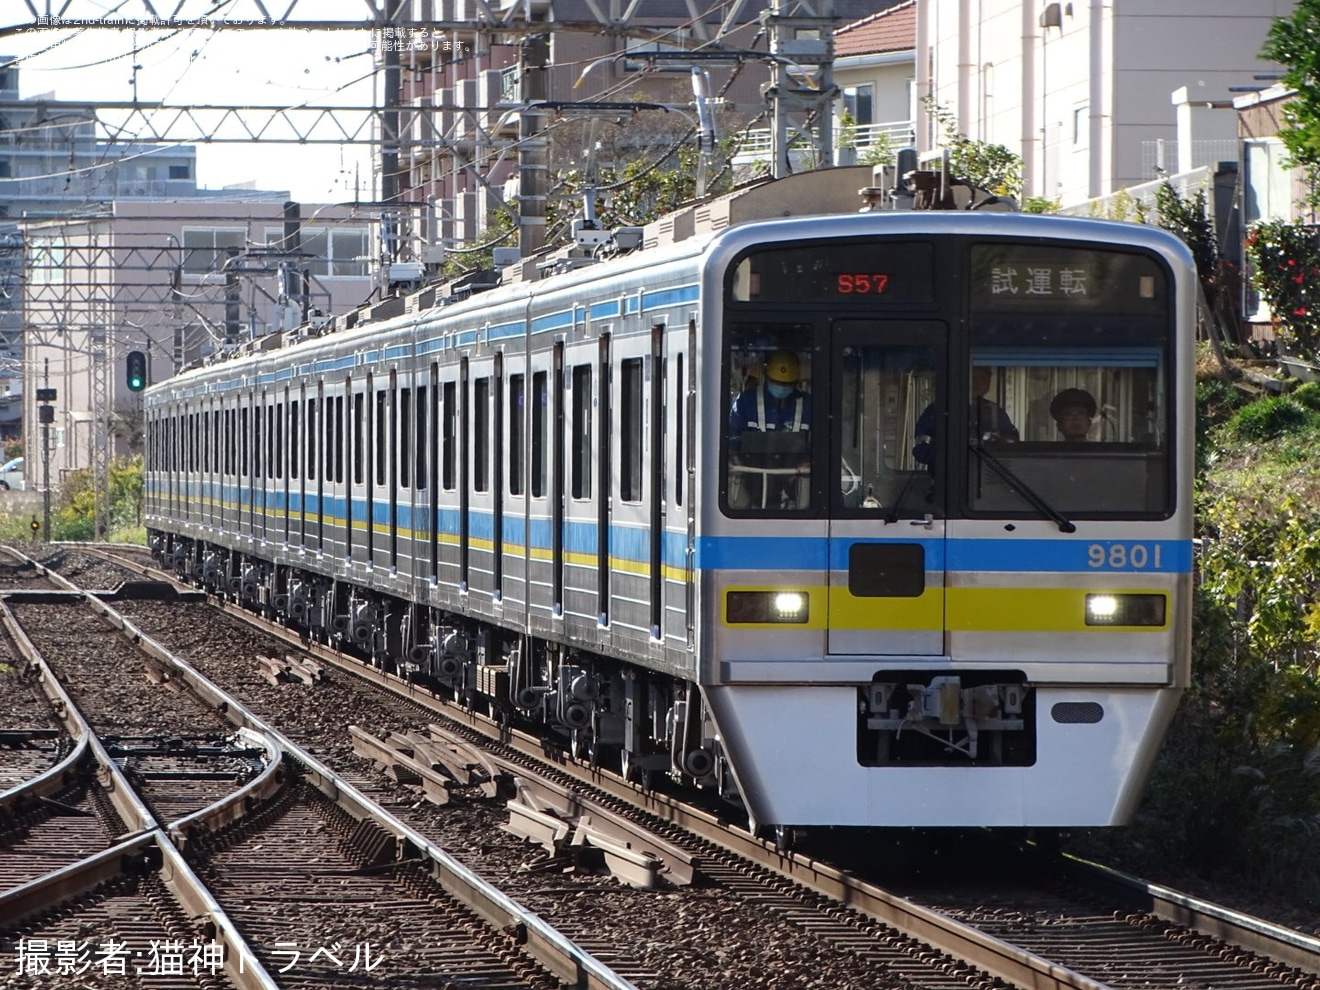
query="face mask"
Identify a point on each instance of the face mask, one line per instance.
(779, 391)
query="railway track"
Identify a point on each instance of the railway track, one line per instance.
(1139, 936)
(305, 877)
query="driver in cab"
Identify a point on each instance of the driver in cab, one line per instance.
(777, 406)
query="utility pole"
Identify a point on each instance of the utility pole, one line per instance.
(801, 78)
(102, 357)
(45, 416)
(533, 156)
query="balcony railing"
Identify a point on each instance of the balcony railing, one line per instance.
(864, 137)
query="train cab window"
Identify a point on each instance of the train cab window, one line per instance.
(1073, 348)
(769, 437)
(1089, 435)
(887, 426)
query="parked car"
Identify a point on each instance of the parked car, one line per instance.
(11, 475)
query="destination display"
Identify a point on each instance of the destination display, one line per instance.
(893, 272)
(1033, 277)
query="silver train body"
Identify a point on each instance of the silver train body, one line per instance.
(536, 499)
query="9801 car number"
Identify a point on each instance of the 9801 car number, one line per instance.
(1122, 556)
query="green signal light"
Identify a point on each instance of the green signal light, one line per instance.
(137, 371)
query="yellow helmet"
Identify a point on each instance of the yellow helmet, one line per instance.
(782, 367)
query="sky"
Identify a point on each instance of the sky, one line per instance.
(206, 67)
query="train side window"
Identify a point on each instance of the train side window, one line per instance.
(338, 447)
(359, 438)
(382, 434)
(679, 466)
(631, 391)
(295, 452)
(449, 459)
(540, 437)
(404, 437)
(312, 438)
(258, 418)
(481, 435)
(581, 479)
(278, 440)
(419, 440)
(517, 396)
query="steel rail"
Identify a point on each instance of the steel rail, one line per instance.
(568, 961)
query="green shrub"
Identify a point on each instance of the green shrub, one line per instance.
(1308, 395)
(1270, 418)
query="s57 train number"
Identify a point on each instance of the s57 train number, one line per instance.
(859, 283)
(1122, 556)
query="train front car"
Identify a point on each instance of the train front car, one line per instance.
(945, 558)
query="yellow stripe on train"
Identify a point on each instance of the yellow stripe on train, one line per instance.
(1052, 610)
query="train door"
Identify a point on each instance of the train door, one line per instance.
(887, 527)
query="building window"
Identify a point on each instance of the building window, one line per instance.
(330, 252)
(859, 103)
(180, 172)
(206, 248)
(48, 257)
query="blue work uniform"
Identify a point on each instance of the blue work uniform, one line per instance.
(755, 409)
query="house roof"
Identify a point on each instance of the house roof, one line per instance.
(892, 30)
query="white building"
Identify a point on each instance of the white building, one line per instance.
(1084, 91)
(875, 68)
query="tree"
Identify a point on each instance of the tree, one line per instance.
(1295, 42)
(991, 167)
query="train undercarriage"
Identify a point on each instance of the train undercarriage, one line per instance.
(602, 709)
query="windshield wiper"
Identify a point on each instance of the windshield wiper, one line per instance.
(892, 516)
(1023, 489)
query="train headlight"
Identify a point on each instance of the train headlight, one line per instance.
(767, 606)
(1126, 610)
(791, 606)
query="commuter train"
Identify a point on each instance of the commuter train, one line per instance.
(886, 614)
